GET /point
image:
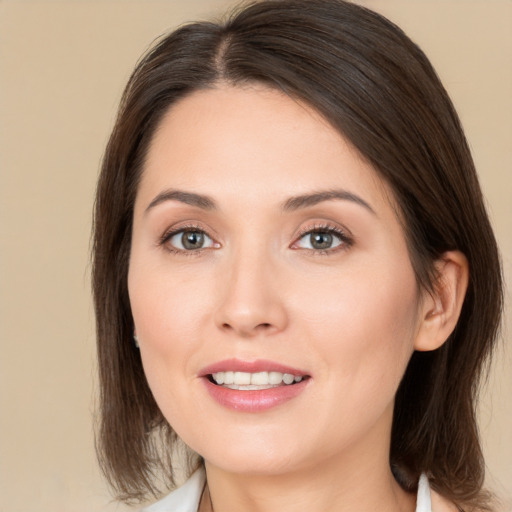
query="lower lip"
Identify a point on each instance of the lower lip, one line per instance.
(254, 400)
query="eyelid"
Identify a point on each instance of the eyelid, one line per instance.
(344, 235)
(180, 228)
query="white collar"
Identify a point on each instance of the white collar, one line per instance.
(423, 503)
(186, 498)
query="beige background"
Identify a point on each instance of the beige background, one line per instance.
(62, 68)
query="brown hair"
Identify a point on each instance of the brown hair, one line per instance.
(375, 86)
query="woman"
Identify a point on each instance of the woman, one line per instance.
(294, 272)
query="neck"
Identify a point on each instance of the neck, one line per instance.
(331, 487)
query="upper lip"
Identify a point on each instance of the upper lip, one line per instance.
(258, 365)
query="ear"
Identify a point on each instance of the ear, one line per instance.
(441, 307)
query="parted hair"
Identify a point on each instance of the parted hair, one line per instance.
(378, 89)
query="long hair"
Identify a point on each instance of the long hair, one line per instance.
(378, 89)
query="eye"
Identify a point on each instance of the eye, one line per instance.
(322, 239)
(319, 240)
(189, 240)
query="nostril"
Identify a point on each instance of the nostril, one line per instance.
(247, 330)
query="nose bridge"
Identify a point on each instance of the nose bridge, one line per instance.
(250, 302)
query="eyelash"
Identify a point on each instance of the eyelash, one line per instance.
(346, 240)
(167, 236)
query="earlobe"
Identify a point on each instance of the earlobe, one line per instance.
(441, 307)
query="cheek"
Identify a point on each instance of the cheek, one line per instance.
(172, 310)
(363, 328)
(365, 323)
(167, 306)
(166, 316)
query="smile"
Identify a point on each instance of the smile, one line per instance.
(253, 386)
(254, 381)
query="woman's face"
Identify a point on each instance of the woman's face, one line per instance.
(265, 250)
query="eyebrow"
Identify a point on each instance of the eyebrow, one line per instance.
(190, 198)
(308, 200)
(292, 204)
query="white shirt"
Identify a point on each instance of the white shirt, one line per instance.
(186, 498)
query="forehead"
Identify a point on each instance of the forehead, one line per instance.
(254, 141)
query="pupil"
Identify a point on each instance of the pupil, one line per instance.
(321, 240)
(192, 240)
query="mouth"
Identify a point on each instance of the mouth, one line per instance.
(253, 386)
(247, 381)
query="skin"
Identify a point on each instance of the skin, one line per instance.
(349, 316)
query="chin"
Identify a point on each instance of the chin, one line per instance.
(253, 465)
(247, 457)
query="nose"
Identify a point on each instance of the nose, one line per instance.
(251, 300)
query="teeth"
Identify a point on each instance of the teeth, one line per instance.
(259, 380)
(288, 378)
(275, 378)
(242, 378)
